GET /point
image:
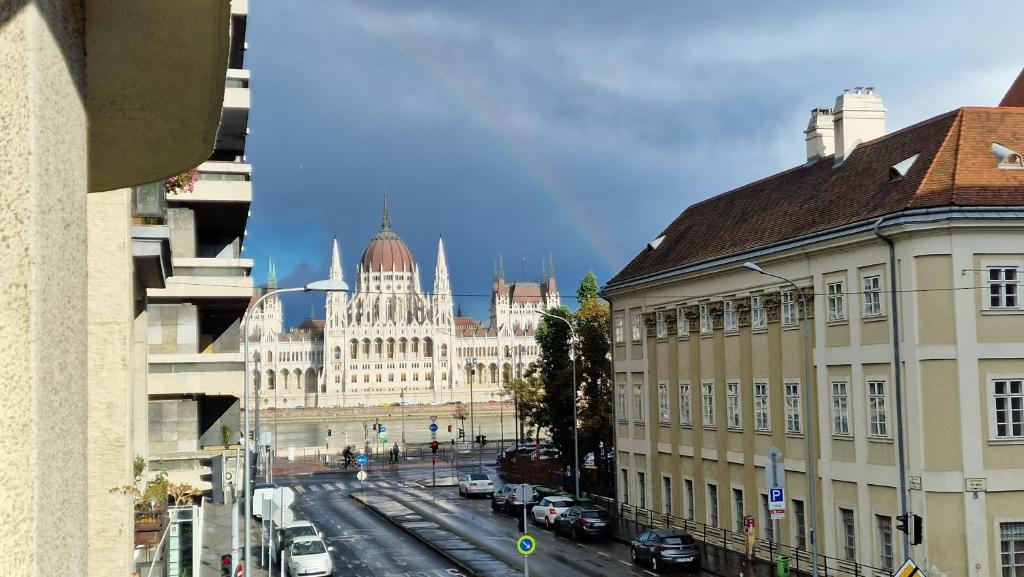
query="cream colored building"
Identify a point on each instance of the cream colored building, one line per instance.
(708, 355)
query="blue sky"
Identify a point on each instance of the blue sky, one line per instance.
(576, 129)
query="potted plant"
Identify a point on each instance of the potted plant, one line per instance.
(225, 433)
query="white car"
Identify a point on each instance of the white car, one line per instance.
(294, 530)
(308, 557)
(475, 484)
(549, 508)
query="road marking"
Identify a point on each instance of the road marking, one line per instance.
(650, 573)
(603, 553)
(300, 489)
(623, 562)
(340, 486)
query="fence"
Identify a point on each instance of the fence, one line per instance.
(631, 520)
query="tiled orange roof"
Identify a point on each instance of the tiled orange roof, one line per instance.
(955, 166)
(1015, 95)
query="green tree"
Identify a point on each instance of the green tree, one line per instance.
(529, 392)
(593, 372)
(555, 373)
(588, 288)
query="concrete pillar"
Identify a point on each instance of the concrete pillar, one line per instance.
(43, 177)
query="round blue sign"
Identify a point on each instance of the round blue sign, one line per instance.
(382, 429)
(362, 460)
(526, 545)
(433, 427)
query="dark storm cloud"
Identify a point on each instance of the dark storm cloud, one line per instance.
(578, 129)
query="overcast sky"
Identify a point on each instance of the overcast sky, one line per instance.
(576, 129)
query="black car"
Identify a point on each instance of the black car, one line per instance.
(514, 504)
(499, 497)
(665, 549)
(584, 522)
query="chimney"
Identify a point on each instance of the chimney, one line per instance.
(820, 134)
(859, 117)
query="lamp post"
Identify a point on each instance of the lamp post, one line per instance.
(808, 420)
(575, 402)
(332, 285)
(471, 365)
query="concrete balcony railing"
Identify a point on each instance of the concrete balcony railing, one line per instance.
(236, 89)
(195, 373)
(219, 182)
(208, 278)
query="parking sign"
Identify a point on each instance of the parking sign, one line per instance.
(777, 502)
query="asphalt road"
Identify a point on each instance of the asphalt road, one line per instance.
(368, 545)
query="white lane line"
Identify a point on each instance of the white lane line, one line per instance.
(340, 486)
(650, 573)
(623, 562)
(603, 553)
(326, 487)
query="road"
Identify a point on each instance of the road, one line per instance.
(368, 545)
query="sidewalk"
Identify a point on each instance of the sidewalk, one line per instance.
(217, 539)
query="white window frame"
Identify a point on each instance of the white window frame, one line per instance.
(689, 499)
(666, 495)
(620, 402)
(1002, 289)
(790, 313)
(872, 297)
(706, 326)
(758, 316)
(839, 390)
(685, 404)
(731, 322)
(638, 402)
(994, 409)
(836, 297)
(1016, 546)
(738, 507)
(733, 407)
(663, 410)
(886, 552)
(713, 517)
(799, 524)
(878, 408)
(794, 415)
(762, 406)
(634, 327)
(619, 329)
(848, 532)
(707, 404)
(660, 325)
(682, 323)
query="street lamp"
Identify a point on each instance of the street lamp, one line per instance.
(575, 401)
(330, 285)
(471, 365)
(809, 419)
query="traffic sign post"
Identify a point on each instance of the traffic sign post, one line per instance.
(775, 478)
(909, 569)
(777, 502)
(526, 545)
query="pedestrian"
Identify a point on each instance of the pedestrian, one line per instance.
(394, 453)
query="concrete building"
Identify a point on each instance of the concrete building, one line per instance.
(90, 100)
(708, 357)
(391, 341)
(195, 362)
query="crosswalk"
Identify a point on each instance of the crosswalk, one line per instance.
(345, 486)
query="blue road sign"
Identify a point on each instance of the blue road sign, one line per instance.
(362, 460)
(776, 495)
(382, 429)
(526, 545)
(433, 427)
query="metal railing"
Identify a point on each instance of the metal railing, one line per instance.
(633, 520)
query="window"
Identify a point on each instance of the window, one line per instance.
(758, 318)
(733, 416)
(873, 295)
(766, 514)
(836, 301)
(1011, 549)
(625, 486)
(884, 524)
(641, 489)
(618, 330)
(635, 327)
(620, 401)
(712, 505)
(666, 495)
(789, 317)
(688, 495)
(1003, 286)
(708, 404)
(793, 408)
(1009, 406)
(682, 323)
(737, 510)
(761, 413)
(878, 415)
(638, 403)
(663, 403)
(800, 526)
(661, 326)
(685, 410)
(840, 408)
(705, 320)
(849, 535)
(732, 322)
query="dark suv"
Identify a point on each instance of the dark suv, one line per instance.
(665, 549)
(499, 497)
(584, 522)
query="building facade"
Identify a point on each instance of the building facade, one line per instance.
(389, 341)
(709, 363)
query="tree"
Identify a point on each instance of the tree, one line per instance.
(588, 288)
(593, 367)
(555, 372)
(529, 392)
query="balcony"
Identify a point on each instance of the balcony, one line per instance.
(234, 119)
(219, 182)
(208, 278)
(195, 373)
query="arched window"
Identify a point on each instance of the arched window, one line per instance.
(415, 346)
(353, 347)
(284, 378)
(493, 371)
(403, 346)
(444, 351)
(337, 353)
(271, 380)
(270, 356)
(378, 348)
(428, 347)
(366, 347)
(391, 348)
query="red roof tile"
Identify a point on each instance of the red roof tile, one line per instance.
(1015, 95)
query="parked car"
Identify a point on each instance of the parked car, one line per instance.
(514, 503)
(475, 484)
(292, 531)
(546, 454)
(498, 497)
(665, 549)
(308, 557)
(584, 522)
(550, 508)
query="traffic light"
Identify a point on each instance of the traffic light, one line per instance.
(901, 523)
(328, 431)
(483, 440)
(918, 530)
(462, 433)
(433, 447)
(449, 428)
(375, 426)
(215, 476)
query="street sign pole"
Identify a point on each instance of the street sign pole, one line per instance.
(775, 456)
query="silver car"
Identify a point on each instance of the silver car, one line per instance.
(307, 556)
